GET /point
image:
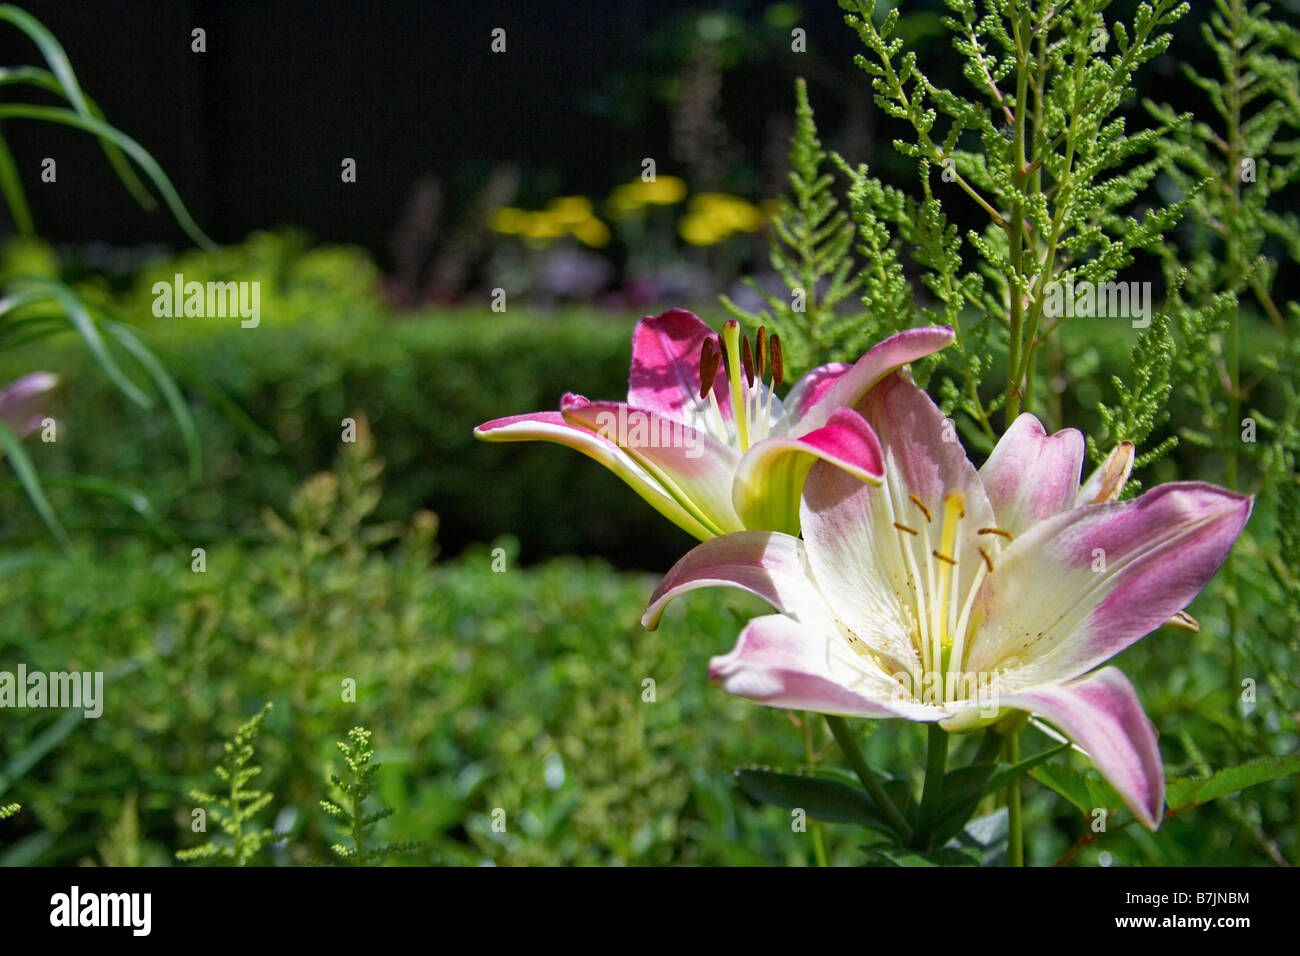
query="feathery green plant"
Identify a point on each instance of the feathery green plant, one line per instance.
(349, 810)
(237, 807)
(8, 810)
(810, 251)
(1044, 146)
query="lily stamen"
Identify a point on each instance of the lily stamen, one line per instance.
(924, 510)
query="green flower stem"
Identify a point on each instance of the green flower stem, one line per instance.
(844, 737)
(1015, 838)
(810, 758)
(936, 760)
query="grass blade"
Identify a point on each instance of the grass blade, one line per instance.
(68, 86)
(31, 482)
(171, 394)
(11, 185)
(84, 323)
(146, 162)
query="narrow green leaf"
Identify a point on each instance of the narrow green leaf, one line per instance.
(823, 799)
(137, 152)
(11, 185)
(66, 84)
(967, 786)
(86, 327)
(171, 394)
(31, 482)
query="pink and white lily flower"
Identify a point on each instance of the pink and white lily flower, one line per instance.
(704, 439)
(954, 595)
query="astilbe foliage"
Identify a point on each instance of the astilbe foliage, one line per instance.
(810, 251)
(237, 807)
(348, 809)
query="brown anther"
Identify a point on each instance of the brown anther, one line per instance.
(943, 557)
(778, 361)
(987, 560)
(747, 360)
(1005, 534)
(762, 352)
(726, 362)
(708, 367)
(921, 504)
(903, 527)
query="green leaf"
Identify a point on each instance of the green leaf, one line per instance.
(948, 856)
(31, 482)
(65, 83)
(986, 835)
(1087, 791)
(820, 798)
(137, 152)
(1184, 792)
(80, 318)
(171, 393)
(11, 185)
(965, 788)
(129, 497)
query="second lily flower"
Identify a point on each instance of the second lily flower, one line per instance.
(703, 438)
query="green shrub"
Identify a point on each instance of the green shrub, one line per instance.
(324, 352)
(521, 690)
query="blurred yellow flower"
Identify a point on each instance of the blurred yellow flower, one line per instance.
(592, 232)
(570, 210)
(508, 219)
(660, 191)
(712, 217)
(564, 214)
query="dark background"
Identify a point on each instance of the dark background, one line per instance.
(254, 130)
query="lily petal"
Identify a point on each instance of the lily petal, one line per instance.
(1031, 476)
(868, 546)
(551, 427)
(1077, 589)
(1102, 714)
(893, 353)
(780, 662)
(665, 372)
(22, 401)
(770, 477)
(810, 388)
(1109, 479)
(691, 466)
(768, 564)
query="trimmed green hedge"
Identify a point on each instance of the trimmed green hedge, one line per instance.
(423, 382)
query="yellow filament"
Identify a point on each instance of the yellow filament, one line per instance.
(946, 624)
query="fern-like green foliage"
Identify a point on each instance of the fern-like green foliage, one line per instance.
(1245, 158)
(1233, 169)
(8, 810)
(1055, 171)
(237, 807)
(349, 811)
(810, 251)
(1038, 145)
